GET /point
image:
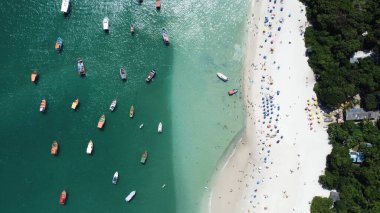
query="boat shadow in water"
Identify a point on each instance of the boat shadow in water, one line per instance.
(68, 14)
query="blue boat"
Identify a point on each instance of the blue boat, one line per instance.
(58, 44)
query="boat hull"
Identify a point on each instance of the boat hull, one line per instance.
(130, 196)
(63, 197)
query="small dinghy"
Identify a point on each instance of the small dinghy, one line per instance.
(106, 26)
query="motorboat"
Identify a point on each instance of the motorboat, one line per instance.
(131, 111)
(232, 92)
(80, 67)
(113, 105)
(65, 6)
(130, 196)
(34, 76)
(165, 36)
(141, 126)
(101, 121)
(151, 75)
(144, 156)
(58, 44)
(159, 128)
(123, 74)
(106, 24)
(158, 4)
(222, 76)
(90, 146)
(54, 148)
(74, 105)
(132, 28)
(115, 177)
(63, 197)
(43, 105)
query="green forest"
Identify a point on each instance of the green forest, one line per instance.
(335, 34)
(358, 184)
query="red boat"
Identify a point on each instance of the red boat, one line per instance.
(232, 92)
(63, 197)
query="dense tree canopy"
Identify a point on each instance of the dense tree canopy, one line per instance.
(358, 185)
(335, 35)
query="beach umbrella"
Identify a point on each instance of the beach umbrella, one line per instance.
(309, 108)
(310, 114)
(318, 116)
(268, 126)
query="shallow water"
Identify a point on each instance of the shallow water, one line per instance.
(199, 117)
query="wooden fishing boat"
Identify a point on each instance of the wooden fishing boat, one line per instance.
(106, 26)
(74, 105)
(113, 105)
(65, 6)
(90, 146)
(159, 128)
(54, 148)
(232, 92)
(101, 122)
(63, 197)
(158, 4)
(34, 76)
(58, 44)
(123, 74)
(130, 196)
(144, 156)
(80, 67)
(150, 76)
(131, 111)
(222, 76)
(43, 105)
(165, 36)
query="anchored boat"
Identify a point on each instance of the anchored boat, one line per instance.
(34, 76)
(101, 121)
(113, 105)
(132, 28)
(63, 197)
(150, 76)
(232, 92)
(58, 44)
(144, 156)
(165, 36)
(131, 111)
(65, 6)
(130, 196)
(115, 177)
(43, 105)
(159, 128)
(123, 74)
(222, 76)
(158, 4)
(80, 66)
(54, 148)
(106, 24)
(75, 104)
(90, 146)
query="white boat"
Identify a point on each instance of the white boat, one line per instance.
(115, 177)
(159, 129)
(222, 76)
(65, 6)
(130, 196)
(90, 146)
(141, 126)
(113, 105)
(106, 24)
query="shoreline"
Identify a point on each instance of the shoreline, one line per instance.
(279, 172)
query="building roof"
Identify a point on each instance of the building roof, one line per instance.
(334, 195)
(356, 114)
(356, 157)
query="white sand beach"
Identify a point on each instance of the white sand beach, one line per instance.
(276, 164)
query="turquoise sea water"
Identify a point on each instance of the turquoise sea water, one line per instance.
(199, 118)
